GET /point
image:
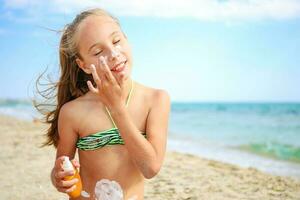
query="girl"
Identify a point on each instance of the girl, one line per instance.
(118, 125)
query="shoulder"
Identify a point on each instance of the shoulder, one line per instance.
(161, 95)
(75, 106)
(161, 101)
(69, 108)
(70, 112)
(155, 96)
(66, 117)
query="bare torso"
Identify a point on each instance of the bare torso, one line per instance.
(111, 162)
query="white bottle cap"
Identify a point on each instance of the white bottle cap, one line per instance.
(67, 165)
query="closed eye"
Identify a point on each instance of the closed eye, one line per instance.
(117, 41)
(102, 50)
(97, 53)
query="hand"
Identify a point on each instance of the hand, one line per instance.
(58, 174)
(110, 90)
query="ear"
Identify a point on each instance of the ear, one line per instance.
(82, 66)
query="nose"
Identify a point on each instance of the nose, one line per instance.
(114, 53)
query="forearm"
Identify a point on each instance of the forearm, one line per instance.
(140, 150)
(52, 176)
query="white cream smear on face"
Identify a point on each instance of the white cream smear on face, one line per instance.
(118, 47)
(115, 52)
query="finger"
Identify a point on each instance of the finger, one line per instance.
(58, 163)
(67, 184)
(102, 71)
(91, 87)
(95, 75)
(66, 190)
(75, 163)
(71, 189)
(122, 81)
(61, 174)
(119, 80)
(103, 68)
(107, 71)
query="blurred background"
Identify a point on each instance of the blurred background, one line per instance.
(231, 68)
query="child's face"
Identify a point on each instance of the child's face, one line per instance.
(101, 36)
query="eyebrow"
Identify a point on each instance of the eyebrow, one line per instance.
(99, 43)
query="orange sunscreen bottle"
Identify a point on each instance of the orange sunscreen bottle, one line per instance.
(68, 166)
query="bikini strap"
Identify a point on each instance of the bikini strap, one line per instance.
(127, 102)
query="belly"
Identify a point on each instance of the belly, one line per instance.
(114, 164)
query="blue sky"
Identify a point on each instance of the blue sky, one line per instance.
(197, 51)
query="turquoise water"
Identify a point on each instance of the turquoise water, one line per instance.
(223, 131)
(19, 108)
(275, 150)
(268, 129)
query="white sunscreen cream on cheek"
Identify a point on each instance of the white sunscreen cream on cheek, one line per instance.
(114, 53)
(118, 47)
(103, 61)
(117, 51)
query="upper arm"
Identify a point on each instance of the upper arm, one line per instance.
(67, 132)
(157, 123)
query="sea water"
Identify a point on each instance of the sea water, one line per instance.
(261, 135)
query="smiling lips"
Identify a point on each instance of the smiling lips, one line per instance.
(119, 67)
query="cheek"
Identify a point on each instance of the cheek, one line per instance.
(126, 48)
(88, 60)
(127, 52)
(91, 60)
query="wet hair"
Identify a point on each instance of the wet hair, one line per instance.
(72, 81)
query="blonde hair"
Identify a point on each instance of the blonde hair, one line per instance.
(72, 81)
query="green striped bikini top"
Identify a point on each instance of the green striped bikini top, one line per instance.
(104, 138)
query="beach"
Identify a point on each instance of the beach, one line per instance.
(25, 172)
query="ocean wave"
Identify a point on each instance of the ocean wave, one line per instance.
(20, 108)
(274, 150)
(14, 102)
(263, 109)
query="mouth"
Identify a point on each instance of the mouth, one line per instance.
(119, 67)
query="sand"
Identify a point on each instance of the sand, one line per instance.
(25, 170)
